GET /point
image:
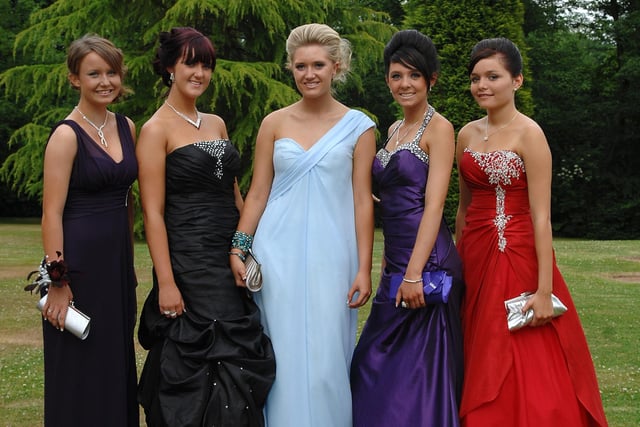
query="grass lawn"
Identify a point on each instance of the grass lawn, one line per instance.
(604, 278)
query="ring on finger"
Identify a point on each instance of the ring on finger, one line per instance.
(404, 305)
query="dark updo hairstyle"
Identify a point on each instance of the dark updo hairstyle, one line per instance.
(184, 44)
(414, 50)
(504, 48)
(104, 48)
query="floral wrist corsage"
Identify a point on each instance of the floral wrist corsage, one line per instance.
(54, 273)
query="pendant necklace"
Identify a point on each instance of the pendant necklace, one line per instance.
(409, 128)
(195, 124)
(103, 140)
(486, 127)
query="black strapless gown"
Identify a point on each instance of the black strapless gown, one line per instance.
(213, 365)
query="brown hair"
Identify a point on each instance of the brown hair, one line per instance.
(104, 48)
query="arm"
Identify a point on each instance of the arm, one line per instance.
(363, 155)
(537, 158)
(151, 154)
(130, 198)
(464, 193)
(256, 199)
(58, 163)
(440, 145)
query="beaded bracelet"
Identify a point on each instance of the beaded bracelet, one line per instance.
(242, 241)
(412, 281)
(239, 255)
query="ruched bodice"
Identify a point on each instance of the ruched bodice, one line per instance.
(200, 210)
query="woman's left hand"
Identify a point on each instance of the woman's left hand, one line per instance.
(55, 309)
(542, 307)
(410, 295)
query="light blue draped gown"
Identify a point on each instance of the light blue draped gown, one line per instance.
(306, 242)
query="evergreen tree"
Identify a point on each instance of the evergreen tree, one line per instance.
(249, 81)
(455, 27)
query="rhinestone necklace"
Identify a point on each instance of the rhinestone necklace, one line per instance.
(398, 138)
(103, 141)
(486, 127)
(195, 124)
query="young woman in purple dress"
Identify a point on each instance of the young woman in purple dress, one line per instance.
(407, 366)
(89, 166)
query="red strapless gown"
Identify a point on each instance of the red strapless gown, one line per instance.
(540, 376)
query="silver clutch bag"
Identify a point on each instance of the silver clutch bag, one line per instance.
(516, 319)
(253, 280)
(76, 321)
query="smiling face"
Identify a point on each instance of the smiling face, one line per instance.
(97, 81)
(492, 85)
(408, 86)
(191, 79)
(312, 70)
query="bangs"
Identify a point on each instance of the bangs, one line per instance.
(198, 50)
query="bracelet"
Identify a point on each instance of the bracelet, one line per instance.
(242, 241)
(412, 281)
(239, 255)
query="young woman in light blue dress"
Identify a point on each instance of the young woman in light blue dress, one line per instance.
(311, 210)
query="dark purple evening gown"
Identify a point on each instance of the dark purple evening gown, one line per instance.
(407, 366)
(93, 382)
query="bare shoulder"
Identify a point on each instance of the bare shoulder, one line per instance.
(441, 123)
(468, 131)
(275, 119)
(63, 134)
(214, 118)
(152, 130)
(532, 135)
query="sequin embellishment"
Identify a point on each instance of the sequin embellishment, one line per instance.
(501, 167)
(215, 149)
(384, 156)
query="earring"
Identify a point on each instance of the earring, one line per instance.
(172, 77)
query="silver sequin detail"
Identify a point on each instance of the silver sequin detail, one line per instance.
(215, 149)
(501, 167)
(414, 146)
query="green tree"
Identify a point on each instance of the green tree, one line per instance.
(455, 27)
(249, 81)
(586, 67)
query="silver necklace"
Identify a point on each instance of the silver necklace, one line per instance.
(410, 127)
(196, 124)
(103, 140)
(486, 127)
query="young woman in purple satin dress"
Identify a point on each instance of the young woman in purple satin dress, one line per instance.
(407, 366)
(89, 167)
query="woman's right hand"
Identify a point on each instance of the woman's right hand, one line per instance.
(239, 270)
(170, 301)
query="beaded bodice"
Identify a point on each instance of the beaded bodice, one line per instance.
(497, 181)
(413, 146)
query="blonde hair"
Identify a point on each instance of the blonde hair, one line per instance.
(339, 49)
